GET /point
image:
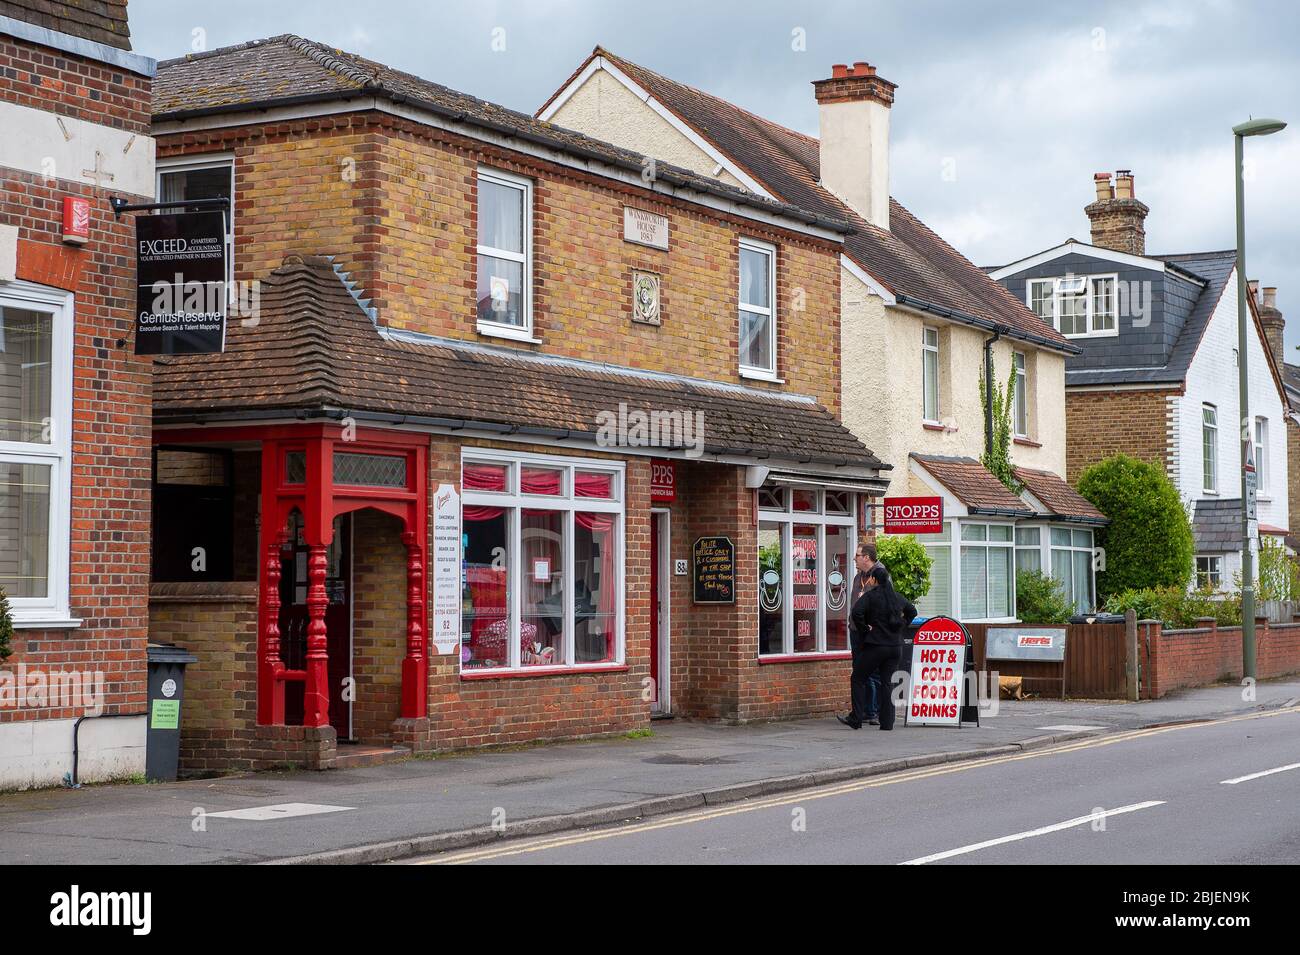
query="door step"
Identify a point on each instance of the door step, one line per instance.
(351, 756)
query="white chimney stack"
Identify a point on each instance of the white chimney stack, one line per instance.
(854, 115)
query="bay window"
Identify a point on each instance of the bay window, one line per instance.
(504, 296)
(806, 541)
(35, 450)
(1209, 572)
(987, 583)
(1071, 557)
(757, 309)
(1029, 549)
(542, 563)
(939, 598)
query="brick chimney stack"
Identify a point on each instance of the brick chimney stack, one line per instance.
(1274, 324)
(853, 110)
(1117, 216)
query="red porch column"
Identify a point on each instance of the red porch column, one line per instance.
(270, 688)
(415, 677)
(316, 703)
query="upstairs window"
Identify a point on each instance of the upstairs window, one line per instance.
(201, 179)
(930, 374)
(1077, 305)
(1261, 455)
(1210, 448)
(757, 311)
(504, 291)
(1020, 396)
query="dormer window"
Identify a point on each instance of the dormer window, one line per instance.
(1078, 306)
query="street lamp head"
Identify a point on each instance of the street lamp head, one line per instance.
(1259, 127)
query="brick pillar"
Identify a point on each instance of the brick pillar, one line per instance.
(316, 702)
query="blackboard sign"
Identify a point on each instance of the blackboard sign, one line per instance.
(715, 570)
(180, 283)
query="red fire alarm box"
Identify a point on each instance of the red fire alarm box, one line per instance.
(76, 220)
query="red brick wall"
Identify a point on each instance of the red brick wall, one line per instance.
(1175, 659)
(109, 563)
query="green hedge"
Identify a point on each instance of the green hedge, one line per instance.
(1041, 598)
(1149, 540)
(1176, 607)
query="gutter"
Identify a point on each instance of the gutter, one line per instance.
(467, 424)
(665, 173)
(1000, 512)
(984, 323)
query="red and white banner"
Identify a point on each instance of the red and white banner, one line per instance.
(938, 674)
(913, 515)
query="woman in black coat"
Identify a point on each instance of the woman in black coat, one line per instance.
(877, 624)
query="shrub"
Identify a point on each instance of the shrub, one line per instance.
(6, 627)
(907, 562)
(1176, 607)
(1279, 572)
(1041, 598)
(1149, 540)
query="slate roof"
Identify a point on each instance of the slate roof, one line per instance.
(1057, 495)
(1291, 380)
(972, 484)
(914, 263)
(1216, 524)
(1214, 268)
(103, 21)
(315, 350)
(287, 70)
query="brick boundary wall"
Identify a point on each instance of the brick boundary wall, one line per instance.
(1178, 659)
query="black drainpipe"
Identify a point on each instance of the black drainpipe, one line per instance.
(988, 391)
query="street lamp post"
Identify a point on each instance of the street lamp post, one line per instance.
(1254, 127)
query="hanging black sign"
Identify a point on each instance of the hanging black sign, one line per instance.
(181, 283)
(715, 570)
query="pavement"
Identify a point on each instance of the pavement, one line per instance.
(425, 805)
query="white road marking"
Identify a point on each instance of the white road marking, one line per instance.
(1072, 727)
(1267, 772)
(1068, 824)
(284, 810)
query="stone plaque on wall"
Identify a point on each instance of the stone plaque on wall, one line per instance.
(645, 228)
(645, 297)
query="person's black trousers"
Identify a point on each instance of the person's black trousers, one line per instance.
(881, 662)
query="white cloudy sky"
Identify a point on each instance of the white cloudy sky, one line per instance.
(1025, 101)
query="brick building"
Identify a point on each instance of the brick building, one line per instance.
(74, 401)
(1157, 374)
(488, 464)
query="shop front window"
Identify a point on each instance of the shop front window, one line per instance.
(805, 546)
(542, 564)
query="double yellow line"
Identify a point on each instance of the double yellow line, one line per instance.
(544, 843)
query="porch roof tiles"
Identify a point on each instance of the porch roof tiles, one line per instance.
(1057, 495)
(315, 351)
(974, 485)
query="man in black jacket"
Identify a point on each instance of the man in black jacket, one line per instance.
(877, 623)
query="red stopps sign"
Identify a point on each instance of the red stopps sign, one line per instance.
(663, 481)
(913, 515)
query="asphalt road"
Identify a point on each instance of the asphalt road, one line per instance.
(1219, 792)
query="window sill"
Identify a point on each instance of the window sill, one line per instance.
(755, 374)
(1026, 442)
(936, 426)
(506, 332)
(47, 623)
(805, 657)
(502, 673)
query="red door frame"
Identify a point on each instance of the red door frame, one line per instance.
(320, 500)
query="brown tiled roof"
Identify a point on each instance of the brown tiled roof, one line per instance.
(314, 349)
(1057, 495)
(103, 21)
(973, 484)
(920, 268)
(286, 69)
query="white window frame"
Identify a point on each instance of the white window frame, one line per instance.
(1210, 461)
(929, 349)
(1090, 549)
(1262, 470)
(1215, 560)
(1089, 289)
(504, 329)
(513, 499)
(769, 250)
(1020, 395)
(787, 518)
(959, 544)
(52, 610)
(196, 164)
